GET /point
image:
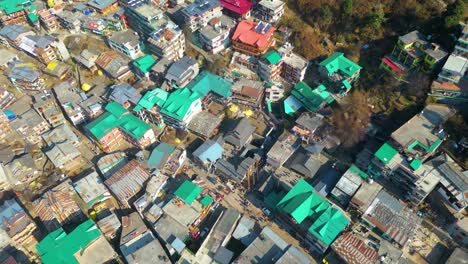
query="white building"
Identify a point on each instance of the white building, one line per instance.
(215, 37)
(270, 10)
(126, 42)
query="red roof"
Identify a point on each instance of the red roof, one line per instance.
(247, 33)
(353, 250)
(392, 65)
(237, 6)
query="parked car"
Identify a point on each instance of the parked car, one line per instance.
(266, 211)
(212, 180)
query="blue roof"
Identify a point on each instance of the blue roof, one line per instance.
(200, 7)
(101, 4)
(160, 152)
(209, 151)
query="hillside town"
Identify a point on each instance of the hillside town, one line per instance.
(145, 131)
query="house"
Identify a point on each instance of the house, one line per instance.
(167, 159)
(283, 149)
(215, 36)
(45, 105)
(144, 19)
(72, 21)
(307, 126)
(104, 7)
(208, 153)
(124, 94)
(412, 52)
(312, 100)
(197, 14)
(168, 41)
(117, 124)
(5, 127)
(348, 185)
(270, 65)
(57, 207)
(340, 71)
(390, 217)
(111, 163)
(207, 82)
(458, 256)
(241, 134)
(126, 42)
(48, 19)
(85, 244)
(6, 98)
(181, 72)
(294, 66)
(237, 9)
(204, 124)
(138, 244)
(127, 182)
(180, 107)
(17, 168)
(58, 69)
(93, 192)
(316, 222)
(270, 11)
(60, 134)
(242, 171)
(142, 66)
(25, 77)
(15, 11)
(45, 48)
(349, 249)
(109, 226)
(70, 100)
(246, 230)
(149, 105)
(18, 225)
(132, 3)
(64, 155)
(114, 65)
(87, 58)
(253, 38)
(12, 35)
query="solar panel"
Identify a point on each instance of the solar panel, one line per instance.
(259, 27)
(266, 28)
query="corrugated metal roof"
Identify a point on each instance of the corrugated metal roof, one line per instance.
(188, 191)
(354, 250)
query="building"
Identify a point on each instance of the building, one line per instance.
(15, 11)
(24, 77)
(144, 19)
(60, 134)
(412, 52)
(58, 207)
(142, 66)
(48, 19)
(19, 226)
(303, 96)
(270, 65)
(458, 256)
(348, 185)
(124, 94)
(64, 155)
(12, 35)
(149, 105)
(167, 159)
(137, 243)
(215, 36)
(87, 58)
(243, 171)
(117, 124)
(168, 41)
(85, 244)
(349, 249)
(126, 42)
(132, 3)
(180, 107)
(316, 222)
(93, 192)
(16, 168)
(207, 82)
(391, 218)
(127, 182)
(45, 105)
(283, 149)
(45, 48)
(111, 163)
(197, 14)
(307, 126)
(114, 65)
(104, 7)
(208, 153)
(253, 38)
(181, 72)
(458, 230)
(70, 100)
(237, 9)
(109, 226)
(58, 69)
(294, 66)
(241, 134)
(340, 71)
(7, 58)
(270, 11)
(205, 124)
(6, 98)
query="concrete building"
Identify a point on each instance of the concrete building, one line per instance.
(253, 38)
(283, 149)
(48, 19)
(6, 98)
(204, 124)
(167, 41)
(149, 105)
(69, 99)
(25, 78)
(87, 58)
(340, 71)
(126, 42)
(114, 65)
(124, 94)
(237, 9)
(144, 19)
(16, 168)
(197, 14)
(270, 65)
(64, 155)
(14, 12)
(180, 107)
(12, 35)
(181, 72)
(348, 185)
(104, 7)
(216, 35)
(45, 48)
(94, 193)
(143, 65)
(294, 66)
(44, 103)
(270, 11)
(241, 134)
(7, 58)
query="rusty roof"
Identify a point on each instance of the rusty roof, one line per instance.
(353, 250)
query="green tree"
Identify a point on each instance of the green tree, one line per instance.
(348, 8)
(326, 16)
(454, 13)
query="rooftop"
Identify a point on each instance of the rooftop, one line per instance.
(268, 247)
(241, 133)
(101, 4)
(212, 31)
(117, 116)
(353, 250)
(188, 191)
(160, 155)
(183, 213)
(365, 195)
(239, 7)
(456, 65)
(145, 63)
(272, 57)
(91, 188)
(204, 123)
(207, 82)
(293, 255)
(271, 4)
(209, 151)
(312, 99)
(200, 7)
(13, 6)
(26, 73)
(338, 62)
(180, 69)
(12, 32)
(179, 102)
(254, 34)
(123, 93)
(127, 37)
(14, 218)
(151, 98)
(386, 153)
(412, 37)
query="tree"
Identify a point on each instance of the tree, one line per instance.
(454, 14)
(326, 16)
(348, 8)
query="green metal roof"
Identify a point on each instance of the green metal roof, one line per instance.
(346, 84)
(359, 172)
(207, 82)
(206, 200)
(415, 164)
(386, 153)
(188, 191)
(33, 17)
(273, 198)
(59, 247)
(312, 98)
(117, 116)
(272, 56)
(159, 152)
(303, 202)
(151, 98)
(178, 103)
(431, 148)
(338, 62)
(145, 63)
(12, 6)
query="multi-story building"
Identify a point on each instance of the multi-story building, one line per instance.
(181, 72)
(132, 3)
(197, 14)
(180, 107)
(294, 66)
(253, 38)
(124, 94)
(116, 125)
(144, 19)
(114, 65)
(62, 152)
(167, 41)
(19, 226)
(149, 105)
(104, 7)
(461, 47)
(270, 11)
(45, 48)
(70, 20)
(48, 19)
(15, 11)
(270, 65)
(24, 77)
(45, 105)
(69, 99)
(340, 72)
(126, 42)
(238, 9)
(6, 98)
(413, 52)
(215, 37)
(12, 35)
(5, 127)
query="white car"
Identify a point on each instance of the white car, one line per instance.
(266, 211)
